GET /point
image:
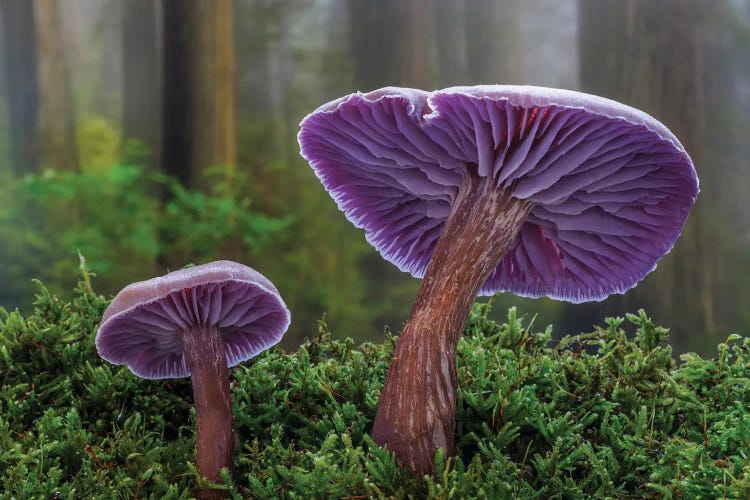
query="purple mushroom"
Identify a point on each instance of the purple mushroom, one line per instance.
(196, 322)
(536, 191)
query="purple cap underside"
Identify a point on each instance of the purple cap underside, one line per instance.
(612, 186)
(143, 324)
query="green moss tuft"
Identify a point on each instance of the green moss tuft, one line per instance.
(594, 415)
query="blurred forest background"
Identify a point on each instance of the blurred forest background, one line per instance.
(148, 134)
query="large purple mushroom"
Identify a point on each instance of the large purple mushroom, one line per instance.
(536, 191)
(196, 322)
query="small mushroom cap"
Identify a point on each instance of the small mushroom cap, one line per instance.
(143, 325)
(611, 186)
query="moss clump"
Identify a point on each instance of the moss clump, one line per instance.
(594, 415)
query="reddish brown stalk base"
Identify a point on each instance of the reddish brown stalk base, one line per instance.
(417, 409)
(214, 426)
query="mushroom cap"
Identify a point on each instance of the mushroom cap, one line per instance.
(610, 185)
(142, 327)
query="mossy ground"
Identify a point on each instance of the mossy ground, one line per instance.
(595, 415)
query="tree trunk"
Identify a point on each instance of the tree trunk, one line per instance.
(373, 28)
(492, 41)
(213, 70)
(390, 43)
(176, 92)
(451, 42)
(57, 145)
(140, 76)
(198, 91)
(21, 82)
(416, 57)
(656, 61)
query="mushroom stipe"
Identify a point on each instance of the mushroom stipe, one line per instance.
(214, 422)
(421, 396)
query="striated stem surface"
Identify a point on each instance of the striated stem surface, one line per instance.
(214, 433)
(417, 409)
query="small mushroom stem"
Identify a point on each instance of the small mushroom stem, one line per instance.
(417, 409)
(214, 432)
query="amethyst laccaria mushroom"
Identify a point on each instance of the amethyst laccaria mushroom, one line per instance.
(196, 322)
(536, 191)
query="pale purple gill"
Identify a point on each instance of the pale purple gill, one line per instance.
(145, 323)
(610, 186)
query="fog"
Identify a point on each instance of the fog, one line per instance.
(108, 84)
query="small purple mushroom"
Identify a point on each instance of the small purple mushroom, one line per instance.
(196, 322)
(536, 191)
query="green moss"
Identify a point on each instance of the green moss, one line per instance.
(594, 415)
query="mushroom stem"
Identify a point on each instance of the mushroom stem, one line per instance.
(214, 429)
(417, 409)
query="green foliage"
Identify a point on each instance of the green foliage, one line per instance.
(217, 221)
(595, 415)
(115, 217)
(99, 143)
(133, 223)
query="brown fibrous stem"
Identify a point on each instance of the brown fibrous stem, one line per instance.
(214, 432)
(417, 409)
